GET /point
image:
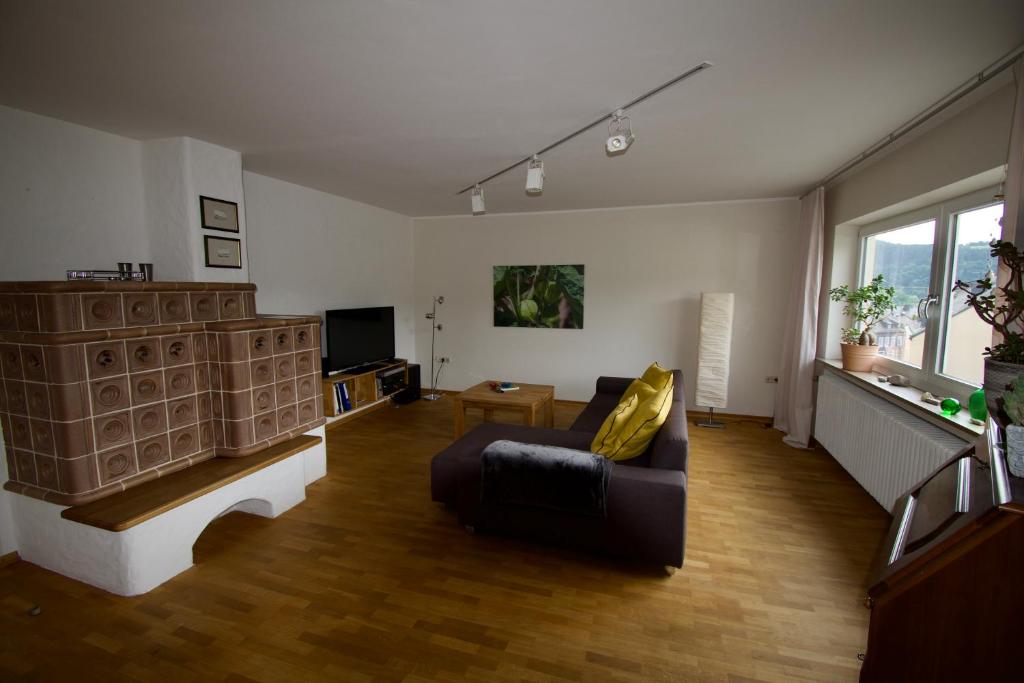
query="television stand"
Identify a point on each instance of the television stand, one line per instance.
(366, 387)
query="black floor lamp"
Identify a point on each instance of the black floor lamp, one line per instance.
(435, 327)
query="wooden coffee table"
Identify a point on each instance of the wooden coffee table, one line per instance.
(529, 399)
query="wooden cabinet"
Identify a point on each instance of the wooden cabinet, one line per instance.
(363, 387)
(947, 594)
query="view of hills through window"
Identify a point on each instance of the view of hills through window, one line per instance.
(904, 256)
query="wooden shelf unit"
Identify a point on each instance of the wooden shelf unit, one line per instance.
(362, 387)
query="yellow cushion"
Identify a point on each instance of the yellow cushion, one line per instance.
(615, 421)
(640, 428)
(657, 376)
(640, 389)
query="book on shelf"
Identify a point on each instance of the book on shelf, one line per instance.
(346, 403)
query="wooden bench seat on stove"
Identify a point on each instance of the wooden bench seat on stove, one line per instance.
(131, 542)
(124, 510)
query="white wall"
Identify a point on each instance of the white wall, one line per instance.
(310, 251)
(645, 270)
(68, 194)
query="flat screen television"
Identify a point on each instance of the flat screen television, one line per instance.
(356, 336)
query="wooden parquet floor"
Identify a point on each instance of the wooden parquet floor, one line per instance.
(368, 580)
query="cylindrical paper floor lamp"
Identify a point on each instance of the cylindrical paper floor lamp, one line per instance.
(713, 354)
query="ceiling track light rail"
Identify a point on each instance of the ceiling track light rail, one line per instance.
(618, 112)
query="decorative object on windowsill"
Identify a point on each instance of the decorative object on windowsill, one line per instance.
(434, 328)
(927, 397)
(123, 273)
(976, 406)
(896, 380)
(865, 306)
(1013, 404)
(1002, 307)
(950, 406)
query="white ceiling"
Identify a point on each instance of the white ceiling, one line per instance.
(400, 103)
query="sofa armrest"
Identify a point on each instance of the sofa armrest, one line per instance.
(613, 385)
(648, 507)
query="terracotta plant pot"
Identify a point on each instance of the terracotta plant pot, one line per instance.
(998, 378)
(859, 358)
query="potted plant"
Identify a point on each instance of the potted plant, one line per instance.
(1013, 404)
(1003, 309)
(865, 306)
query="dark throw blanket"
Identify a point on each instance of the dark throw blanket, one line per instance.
(562, 479)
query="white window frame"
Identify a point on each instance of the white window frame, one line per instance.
(929, 376)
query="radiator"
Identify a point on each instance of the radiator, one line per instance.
(885, 448)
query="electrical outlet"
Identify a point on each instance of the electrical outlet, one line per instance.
(443, 359)
(771, 380)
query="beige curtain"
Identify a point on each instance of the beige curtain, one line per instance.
(794, 400)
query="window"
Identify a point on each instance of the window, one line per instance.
(933, 336)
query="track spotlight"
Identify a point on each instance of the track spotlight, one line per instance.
(477, 199)
(620, 133)
(535, 176)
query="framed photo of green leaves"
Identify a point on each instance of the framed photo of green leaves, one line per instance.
(538, 296)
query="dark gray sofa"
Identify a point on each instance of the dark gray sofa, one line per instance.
(646, 495)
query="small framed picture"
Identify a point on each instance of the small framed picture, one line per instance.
(223, 252)
(218, 214)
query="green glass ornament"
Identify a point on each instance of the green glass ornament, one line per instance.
(976, 405)
(950, 406)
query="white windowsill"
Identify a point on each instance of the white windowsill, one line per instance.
(908, 398)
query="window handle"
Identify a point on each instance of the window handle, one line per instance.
(923, 306)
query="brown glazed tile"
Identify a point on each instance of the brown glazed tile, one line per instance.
(102, 311)
(203, 377)
(177, 350)
(78, 475)
(307, 411)
(21, 432)
(287, 418)
(10, 361)
(105, 359)
(249, 305)
(233, 346)
(303, 337)
(305, 386)
(5, 426)
(234, 376)
(26, 312)
(116, 463)
(38, 399)
(204, 406)
(25, 466)
(153, 451)
(199, 347)
(203, 305)
(284, 367)
(173, 307)
(46, 472)
(217, 404)
(32, 363)
(179, 381)
(184, 441)
(237, 404)
(143, 354)
(112, 430)
(206, 439)
(212, 347)
(306, 362)
(64, 364)
(285, 392)
(262, 371)
(261, 344)
(218, 434)
(42, 436)
(283, 341)
(73, 439)
(69, 401)
(8, 317)
(319, 409)
(181, 412)
(264, 399)
(215, 383)
(147, 387)
(17, 399)
(140, 309)
(230, 305)
(238, 433)
(265, 426)
(109, 395)
(149, 420)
